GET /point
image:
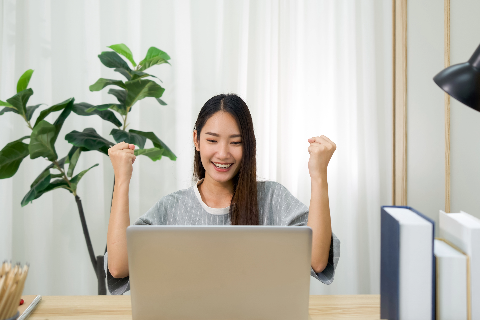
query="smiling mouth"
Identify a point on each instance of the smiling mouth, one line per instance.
(222, 166)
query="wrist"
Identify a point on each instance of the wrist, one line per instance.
(122, 183)
(319, 178)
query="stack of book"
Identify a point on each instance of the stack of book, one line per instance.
(427, 278)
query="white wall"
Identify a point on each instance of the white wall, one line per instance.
(426, 115)
(425, 112)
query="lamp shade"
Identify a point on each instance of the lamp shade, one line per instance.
(462, 81)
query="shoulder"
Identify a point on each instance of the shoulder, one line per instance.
(167, 203)
(270, 187)
(272, 192)
(177, 196)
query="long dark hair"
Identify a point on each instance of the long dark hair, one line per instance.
(244, 205)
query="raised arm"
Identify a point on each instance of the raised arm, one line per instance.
(321, 150)
(122, 158)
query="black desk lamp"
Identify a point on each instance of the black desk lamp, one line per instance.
(462, 81)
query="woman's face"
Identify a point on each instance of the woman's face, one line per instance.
(221, 144)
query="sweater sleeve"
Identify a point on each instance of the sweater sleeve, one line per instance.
(295, 213)
(117, 286)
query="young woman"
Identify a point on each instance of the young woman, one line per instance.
(226, 191)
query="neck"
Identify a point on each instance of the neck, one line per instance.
(215, 188)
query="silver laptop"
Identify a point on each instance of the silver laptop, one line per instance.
(219, 272)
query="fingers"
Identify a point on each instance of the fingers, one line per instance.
(314, 147)
(132, 157)
(318, 139)
(121, 146)
(323, 140)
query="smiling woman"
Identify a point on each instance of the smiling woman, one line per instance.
(226, 191)
(228, 120)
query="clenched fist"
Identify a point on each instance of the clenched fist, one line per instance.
(122, 158)
(321, 150)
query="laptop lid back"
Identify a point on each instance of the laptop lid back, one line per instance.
(219, 272)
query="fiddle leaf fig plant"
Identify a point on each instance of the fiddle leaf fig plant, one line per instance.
(41, 143)
(136, 86)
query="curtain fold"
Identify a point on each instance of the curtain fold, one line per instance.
(305, 68)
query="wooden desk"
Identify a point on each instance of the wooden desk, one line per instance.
(119, 307)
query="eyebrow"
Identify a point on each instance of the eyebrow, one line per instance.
(217, 135)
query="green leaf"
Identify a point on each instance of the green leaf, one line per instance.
(19, 101)
(54, 108)
(64, 160)
(120, 108)
(75, 180)
(73, 159)
(153, 153)
(156, 143)
(5, 104)
(55, 184)
(24, 80)
(8, 109)
(154, 56)
(86, 109)
(36, 190)
(141, 88)
(111, 59)
(128, 137)
(42, 141)
(140, 75)
(100, 107)
(121, 95)
(124, 51)
(102, 83)
(89, 140)
(11, 156)
(163, 103)
(61, 118)
(124, 73)
(61, 164)
(31, 110)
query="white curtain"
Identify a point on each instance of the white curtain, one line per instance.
(305, 68)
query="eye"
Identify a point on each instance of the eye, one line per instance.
(236, 142)
(211, 141)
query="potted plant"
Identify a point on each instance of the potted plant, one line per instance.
(41, 143)
(44, 135)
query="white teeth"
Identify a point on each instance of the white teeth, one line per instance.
(222, 166)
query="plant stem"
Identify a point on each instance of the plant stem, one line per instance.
(64, 176)
(125, 122)
(86, 234)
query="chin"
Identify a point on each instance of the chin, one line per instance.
(223, 178)
(219, 177)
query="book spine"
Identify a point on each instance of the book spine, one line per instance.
(389, 267)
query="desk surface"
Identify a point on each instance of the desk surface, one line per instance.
(119, 307)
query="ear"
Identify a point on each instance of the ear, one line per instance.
(195, 140)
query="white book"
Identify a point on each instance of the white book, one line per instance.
(451, 282)
(463, 231)
(415, 264)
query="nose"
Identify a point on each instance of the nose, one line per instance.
(223, 151)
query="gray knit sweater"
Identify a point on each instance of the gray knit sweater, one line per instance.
(277, 207)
